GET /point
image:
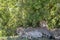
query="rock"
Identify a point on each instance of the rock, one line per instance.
(56, 34)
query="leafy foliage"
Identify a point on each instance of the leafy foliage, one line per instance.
(27, 13)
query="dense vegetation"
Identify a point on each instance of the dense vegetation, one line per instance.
(27, 13)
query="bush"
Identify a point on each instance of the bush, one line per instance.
(27, 13)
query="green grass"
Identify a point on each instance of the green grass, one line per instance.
(18, 38)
